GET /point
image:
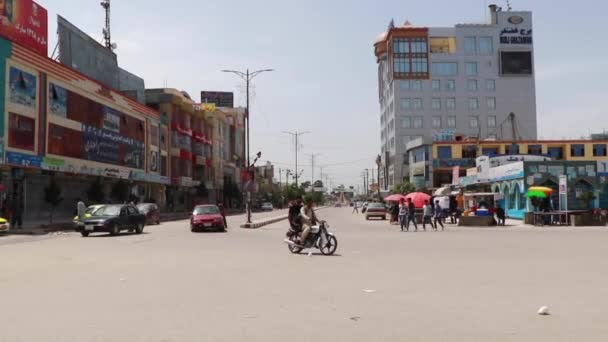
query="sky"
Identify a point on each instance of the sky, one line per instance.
(325, 78)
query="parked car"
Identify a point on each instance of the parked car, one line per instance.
(151, 211)
(375, 210)
(114, 219)
(267, 206)
(205, 217)
(88, 213)
(338, 205)
(5, 227)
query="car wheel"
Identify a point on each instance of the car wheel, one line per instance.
(114, 230)
(140, 228)
(192, 229)
(84, 234)
(158, 222)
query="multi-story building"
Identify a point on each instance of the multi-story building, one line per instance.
(439, 82)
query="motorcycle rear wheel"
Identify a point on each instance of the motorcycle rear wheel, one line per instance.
(293, 248)
(330, 246)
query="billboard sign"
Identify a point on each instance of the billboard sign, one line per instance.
(219, 98)
(105, 146)
(25, 23)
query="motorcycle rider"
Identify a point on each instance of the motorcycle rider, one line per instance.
(309, 218)
(294, 212)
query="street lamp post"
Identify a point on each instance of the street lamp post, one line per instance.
(247, 77)
(296, 135)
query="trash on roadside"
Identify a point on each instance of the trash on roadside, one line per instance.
(369, 291)
(355, 318)
(309, 254)
(543, 311)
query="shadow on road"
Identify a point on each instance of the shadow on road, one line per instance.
(104, 235)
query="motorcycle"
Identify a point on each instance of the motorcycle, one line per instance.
(319, 238)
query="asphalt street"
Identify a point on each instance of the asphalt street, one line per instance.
(382, 285)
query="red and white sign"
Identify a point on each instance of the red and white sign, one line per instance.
(563, 185)
(25, 23)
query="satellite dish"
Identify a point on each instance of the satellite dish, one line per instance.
(114, 46)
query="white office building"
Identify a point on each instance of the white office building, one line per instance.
(448, 82)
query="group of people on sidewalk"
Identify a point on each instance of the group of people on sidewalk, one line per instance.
(405, 212)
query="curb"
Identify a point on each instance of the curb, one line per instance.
(259, 224)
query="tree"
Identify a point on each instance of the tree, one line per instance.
(305, 185)
(119, 192)
(403, 188)
(586, 198)
(201, 190)
(52, 196)
(291, 192)
(318, 184)
(95, 193)
(317, 198)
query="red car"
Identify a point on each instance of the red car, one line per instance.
(205, 217)
(151, 211)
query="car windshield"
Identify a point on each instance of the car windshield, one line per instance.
(109, 210)
(376, 206)
(267, 205)
(206, 210)
(144, 208)
(93, 209)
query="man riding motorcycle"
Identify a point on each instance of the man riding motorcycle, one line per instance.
(309, 218)
(294, 212)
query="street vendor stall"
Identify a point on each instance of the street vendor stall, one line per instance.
(479, 209)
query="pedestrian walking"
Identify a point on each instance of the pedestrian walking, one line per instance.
(394, 213)
(411, 214)
(223, 212)
(16, 214)
(355, 208)
(81, 210)
(427, 215)
(402, 215)
(500, 215)
(438, 216)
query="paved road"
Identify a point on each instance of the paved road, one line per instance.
(172, 285)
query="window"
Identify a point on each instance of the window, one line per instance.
(416, 85)
(406, 104)
(556, 152)
(418, 122)
(445, 69)
(419, 45)
(450, 85)
(471, 68)
(516, 63)
(489, 151)
(486, 46)
(436, 121)
(436, 85)
(473, 121)
(444, 152)
(450, 103)
(491, 121)
(472, 85)
(417, 103)
(420, 65)
(470, 46)
(491, 102)
(599, 150)
(404, 85)
(443, 44)
(401, 46)
(21, 132)
(406, 122)
(490, 85)
(535, 149)
(577, 150)
(451, 122)
(512, 149)
(436, 103)
(469, 152)
(401, 65)
(473, 103)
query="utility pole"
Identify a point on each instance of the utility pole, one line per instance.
(296, 135)
(366, 182)
(247, 77)
(280, 178)
(312, 169)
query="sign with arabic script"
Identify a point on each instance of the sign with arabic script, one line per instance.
(514, 35)
(105, 146)
(25, 23)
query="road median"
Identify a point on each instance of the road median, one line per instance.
(267, 221)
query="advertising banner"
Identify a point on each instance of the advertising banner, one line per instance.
(456, 175)
(58, 100)
(25, 160)
(22, 88)
(25, 23)
(105, 146)
(111, 119)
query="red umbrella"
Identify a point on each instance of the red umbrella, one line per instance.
(395, 198)
(418, 198)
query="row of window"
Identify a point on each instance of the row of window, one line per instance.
(450, 103)
(473, 46)
(556, 152)
(439, 122)
(451, 68)
(449, 85)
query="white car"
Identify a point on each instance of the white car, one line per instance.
(267, 206)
